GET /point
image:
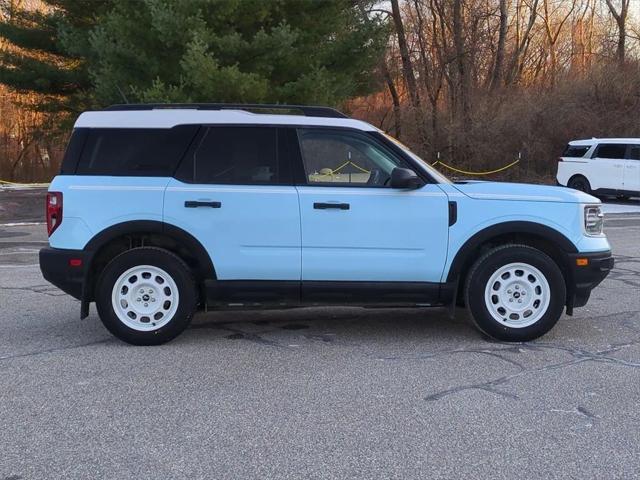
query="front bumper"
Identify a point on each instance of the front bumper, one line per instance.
(584, 278)
(60, 267)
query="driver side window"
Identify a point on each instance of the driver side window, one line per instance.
(344, 158)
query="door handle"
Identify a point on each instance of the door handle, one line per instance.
(195, 204)
(325, 206)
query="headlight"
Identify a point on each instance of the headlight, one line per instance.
(593, 220)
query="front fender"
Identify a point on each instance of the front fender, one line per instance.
(484, 233)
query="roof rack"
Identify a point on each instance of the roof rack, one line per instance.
(312, 111)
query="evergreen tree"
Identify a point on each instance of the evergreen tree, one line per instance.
(296, 51)
(44, 49)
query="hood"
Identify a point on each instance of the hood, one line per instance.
(523, 192)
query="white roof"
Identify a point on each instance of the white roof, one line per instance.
(595, 141)
(167, 118)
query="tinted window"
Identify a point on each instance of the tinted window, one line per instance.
(575, 151)
(74, 149)
(239, 155)
(134, 151)
(610, 150)
(634, 152)
(343, 157)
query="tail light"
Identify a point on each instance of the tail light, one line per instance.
(54, 211)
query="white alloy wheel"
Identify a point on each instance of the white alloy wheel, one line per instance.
(145, 298)
(517, 295)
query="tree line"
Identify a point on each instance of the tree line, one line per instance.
(475, 83)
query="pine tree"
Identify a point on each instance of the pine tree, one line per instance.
(296, 51)
(44, 50)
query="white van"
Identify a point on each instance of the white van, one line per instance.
(602, 166)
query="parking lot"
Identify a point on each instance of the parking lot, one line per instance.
(314, 392)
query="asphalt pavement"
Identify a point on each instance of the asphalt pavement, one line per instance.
(316, 392)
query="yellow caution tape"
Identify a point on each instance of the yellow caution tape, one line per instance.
(17, 184)
(337, 169)
(474, 173)
(359, 168)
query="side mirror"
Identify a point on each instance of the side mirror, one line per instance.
(405, 178)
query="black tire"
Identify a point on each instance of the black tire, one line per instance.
(179, 274)
(480, 275)
(578, 182)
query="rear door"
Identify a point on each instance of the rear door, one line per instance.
(606, 168)
(632, 169)
(355, 227)
(234, 193)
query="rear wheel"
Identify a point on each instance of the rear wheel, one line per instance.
(579, 182)
(515, 293)
(146, 296)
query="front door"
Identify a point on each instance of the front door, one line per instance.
(355, 227)
(234, 193)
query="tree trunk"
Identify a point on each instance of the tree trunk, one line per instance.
(407, 67)
(395, 98)
(514, 69)
(621, 20)
(461, 64)
(496, 79)
(408, 73)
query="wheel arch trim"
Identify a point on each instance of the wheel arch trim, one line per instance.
(505, 228)
(103, 238)
(154, 227)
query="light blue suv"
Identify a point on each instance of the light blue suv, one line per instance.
(161, 209)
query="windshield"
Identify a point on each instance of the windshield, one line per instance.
(440, 178)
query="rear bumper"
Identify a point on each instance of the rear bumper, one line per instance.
(585, 278)
(57, 268)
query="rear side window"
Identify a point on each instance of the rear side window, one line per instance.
(239, 156)
(74, 150)
(575, 151)
(634, 152)
(611, 150)
(153, 152)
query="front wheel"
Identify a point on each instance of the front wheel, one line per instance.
(146, 296)
(515, 293)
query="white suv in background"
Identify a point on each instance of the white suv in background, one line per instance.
(602, 166)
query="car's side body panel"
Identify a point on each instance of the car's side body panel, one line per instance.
(384, 235)
(94, 203)
(254, 234)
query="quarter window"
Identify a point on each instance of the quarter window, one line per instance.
(575, 151)
(239, 156)
(611, 150)
(634, 152)
(134, 151)
(334, 157)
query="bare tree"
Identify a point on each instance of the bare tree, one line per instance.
(523, 39)
(621, 20)
(407, 65)
(496, 79)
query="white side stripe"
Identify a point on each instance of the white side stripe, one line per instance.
(116, 188)
(230, 190)
(495, 196)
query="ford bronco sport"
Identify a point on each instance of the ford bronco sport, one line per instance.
(161, 209)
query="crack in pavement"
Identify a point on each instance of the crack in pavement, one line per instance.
(579, 356)
(57, 349)
(237, 334)
(49, 290)
(583, 412)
